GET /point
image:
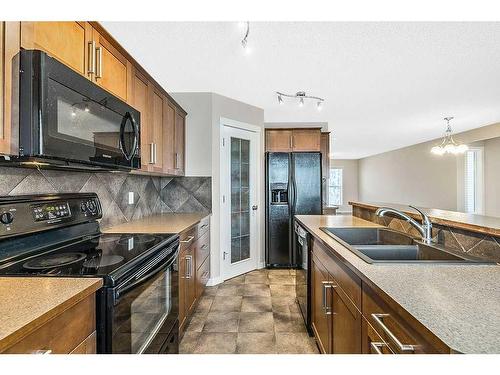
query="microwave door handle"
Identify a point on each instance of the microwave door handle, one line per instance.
(129, 155)
(145, 275)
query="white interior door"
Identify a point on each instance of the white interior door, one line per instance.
(239, 221)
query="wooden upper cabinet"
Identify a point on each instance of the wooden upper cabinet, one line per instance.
(111, 67)
(306, 140)
(66, 41)
(169, 140)
(158, 109)
(180, 143)
(278, 140)
(9, 47)
(290, 140)
(139, 99)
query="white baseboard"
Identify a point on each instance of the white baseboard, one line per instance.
(262, 265)
(214, 281)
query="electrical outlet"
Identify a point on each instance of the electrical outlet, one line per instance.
(130, 197)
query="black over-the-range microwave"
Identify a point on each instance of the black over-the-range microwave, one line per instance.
(66, 119)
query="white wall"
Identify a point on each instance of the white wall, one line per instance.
(198, 105)
(412, 175)
(349, 181)
(203, 144)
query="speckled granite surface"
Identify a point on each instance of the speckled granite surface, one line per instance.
(460, 304)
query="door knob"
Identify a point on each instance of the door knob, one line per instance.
(255, 207)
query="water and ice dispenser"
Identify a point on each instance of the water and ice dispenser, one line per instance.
(279, 193)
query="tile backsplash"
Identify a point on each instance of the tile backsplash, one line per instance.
(455, 240)
(152, 194)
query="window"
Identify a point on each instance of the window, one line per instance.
(335, 187)
(473, 180)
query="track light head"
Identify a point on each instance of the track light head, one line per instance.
(280, 99)
(319, 105)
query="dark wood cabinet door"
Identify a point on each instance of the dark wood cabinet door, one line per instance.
(321, 322)
(346, 323)
(9, 47)
(111, 67)
(140, 101)
(180, 143)
(278, 140)
(66, 41)
(190, 277)
(306, 140)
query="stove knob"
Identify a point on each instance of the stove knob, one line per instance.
(6, 218)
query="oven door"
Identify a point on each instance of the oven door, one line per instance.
(68, 117)
(142, 314)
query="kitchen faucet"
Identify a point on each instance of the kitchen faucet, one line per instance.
(425, 228)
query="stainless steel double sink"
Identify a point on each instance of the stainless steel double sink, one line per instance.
(382, 245)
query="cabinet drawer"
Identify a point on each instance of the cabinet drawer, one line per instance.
(372, 342)
(88, 346)
(62, 334)
(346, 279)
(203, 226)
(202, 249)
(189, 236)
(401, 335)
(202, 276)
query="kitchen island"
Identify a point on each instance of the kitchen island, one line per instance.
(452, 307)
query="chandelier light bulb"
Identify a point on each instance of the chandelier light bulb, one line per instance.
(73, 113)
(87, 109)
(449, 145)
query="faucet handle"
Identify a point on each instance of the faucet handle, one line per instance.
(425, 218)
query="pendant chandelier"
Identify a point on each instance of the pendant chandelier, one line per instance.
(449, 145)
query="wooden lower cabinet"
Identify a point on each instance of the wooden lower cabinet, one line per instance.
(321, 320)
(349, 316)
(194, 268)
(336, 321)
(72, 331)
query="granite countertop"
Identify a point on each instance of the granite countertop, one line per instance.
(26, 303)
(460, 304)
(162, 223)
(472, 222)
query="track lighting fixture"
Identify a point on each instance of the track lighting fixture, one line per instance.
(301, 96)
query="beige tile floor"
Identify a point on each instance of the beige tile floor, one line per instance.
(252, 313)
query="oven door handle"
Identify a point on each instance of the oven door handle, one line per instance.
(144, 274)
(129, 155)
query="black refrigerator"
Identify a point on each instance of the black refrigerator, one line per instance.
(293, 187)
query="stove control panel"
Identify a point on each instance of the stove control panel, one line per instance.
(51, 211)
(90, 207)
(36, 213)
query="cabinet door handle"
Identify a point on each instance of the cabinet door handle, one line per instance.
(98, 69)
(151, 153)
(291, 141)
(155, 154)
(42, 351)
(91, 61)
(376, 347)
(378, 318)
(176, 160)
(326, 285)
(190, 238)
(189, 266)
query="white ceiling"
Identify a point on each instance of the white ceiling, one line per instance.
(386, 85)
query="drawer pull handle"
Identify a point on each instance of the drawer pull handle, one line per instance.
(378, 318)
(189, 267)
(190, 238)
(42, 351)
(203, 226)
(204, 246)
(377, 347)
(327, 285)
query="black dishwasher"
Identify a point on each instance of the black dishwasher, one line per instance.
(303, 274)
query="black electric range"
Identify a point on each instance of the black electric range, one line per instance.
(59, 236)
